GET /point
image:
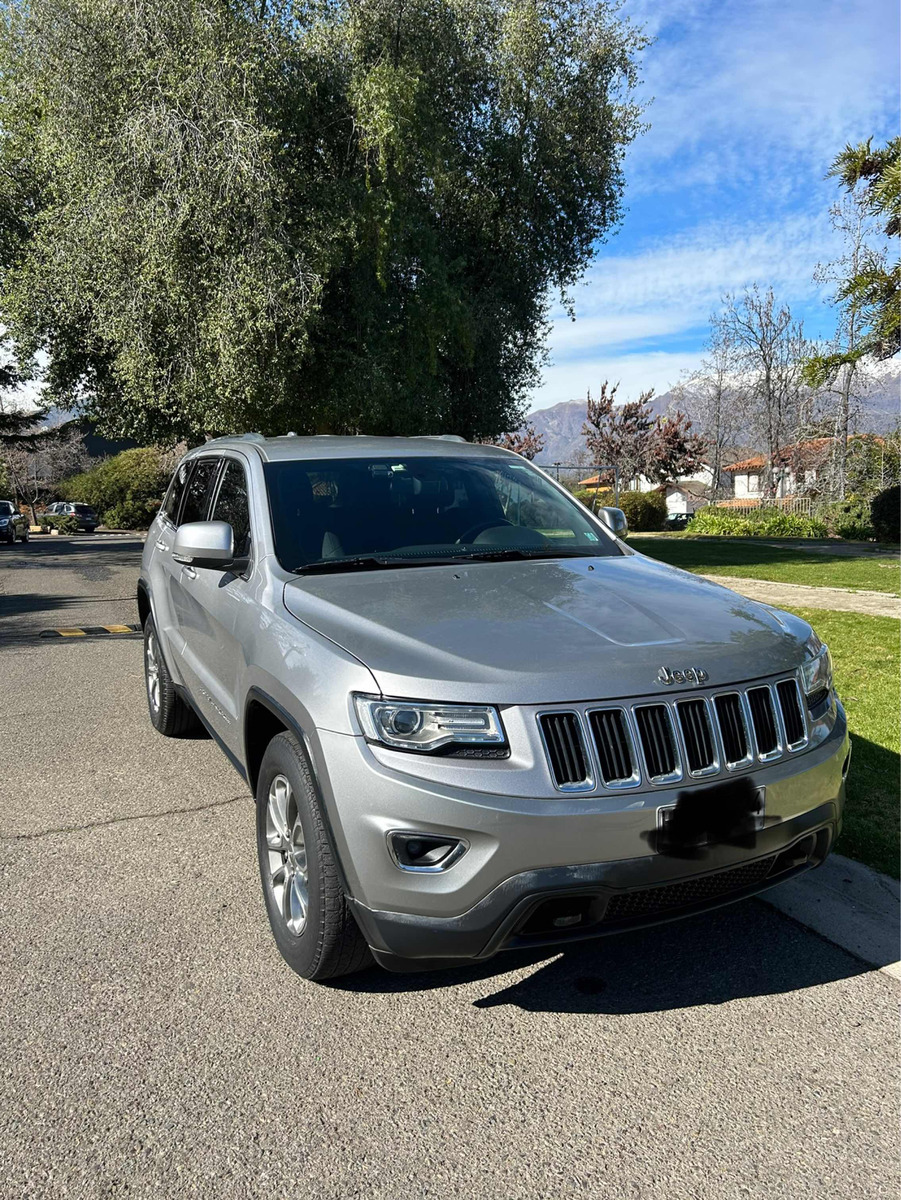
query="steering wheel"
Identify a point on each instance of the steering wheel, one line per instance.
(474, 530)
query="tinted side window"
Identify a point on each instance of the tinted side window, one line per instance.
(199, 490)
(176, 490)
(232, 506)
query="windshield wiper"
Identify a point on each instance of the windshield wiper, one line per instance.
(370, 562)
(376, 562)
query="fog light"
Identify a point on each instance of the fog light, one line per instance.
(425, 852)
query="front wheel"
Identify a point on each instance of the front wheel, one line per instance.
(311, 921)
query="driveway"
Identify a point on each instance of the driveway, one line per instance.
(796, 595)
(153, 1044)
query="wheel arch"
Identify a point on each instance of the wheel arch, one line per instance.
(264, 719)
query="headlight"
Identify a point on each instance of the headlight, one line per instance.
(410, 725)
(4, 520)
(816, 671)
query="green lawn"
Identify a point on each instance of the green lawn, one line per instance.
(865, 651)
(751, 559)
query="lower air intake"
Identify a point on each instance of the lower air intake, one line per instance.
(648, 901)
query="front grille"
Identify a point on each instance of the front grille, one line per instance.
(655, 728)
(697, 735)
(763, 719)
(647, 901)
(614, 745)
(689, 736)
(732, 727)
(566, 751)
(792, 717)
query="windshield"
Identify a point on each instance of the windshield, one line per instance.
(415, 511)
(83, 510)
(6, 509)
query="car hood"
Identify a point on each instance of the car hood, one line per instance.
(544, 631)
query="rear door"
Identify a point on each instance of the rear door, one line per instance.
(213, 603)
(159, 565)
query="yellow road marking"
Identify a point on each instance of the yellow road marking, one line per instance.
(71, 633)
(118, 628)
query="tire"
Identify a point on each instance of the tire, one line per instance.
(26, 537)
(311, 921)
(169, 714)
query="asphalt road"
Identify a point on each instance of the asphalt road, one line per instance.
(152, 1043)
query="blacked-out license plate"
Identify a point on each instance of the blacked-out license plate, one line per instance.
(729, 812)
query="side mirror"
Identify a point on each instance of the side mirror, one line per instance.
(205, 544)
(615, 520)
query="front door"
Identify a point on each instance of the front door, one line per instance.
(213, 603)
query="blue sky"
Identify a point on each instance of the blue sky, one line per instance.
(751, 101)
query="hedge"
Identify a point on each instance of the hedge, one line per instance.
(849, 518)
(885, 514)
(645, 511)
(126, 490)
(760, 522)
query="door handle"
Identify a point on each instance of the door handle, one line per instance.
(161, 545)
(189, 572)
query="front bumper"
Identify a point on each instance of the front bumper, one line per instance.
(524, 852)
(564, 904)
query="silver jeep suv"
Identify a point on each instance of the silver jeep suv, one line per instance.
(473, 718)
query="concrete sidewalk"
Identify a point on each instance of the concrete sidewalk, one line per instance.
(851, 905)
(796, 595)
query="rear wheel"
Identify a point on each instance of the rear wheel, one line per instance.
(169, 714)
(310, 917)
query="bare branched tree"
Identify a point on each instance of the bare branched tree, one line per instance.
(769, 352)
(40, 459)
(712, 398)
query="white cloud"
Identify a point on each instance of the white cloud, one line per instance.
(635, 372)
(635, 313)
(739, 86)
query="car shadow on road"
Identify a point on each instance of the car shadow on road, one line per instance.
(741, 951)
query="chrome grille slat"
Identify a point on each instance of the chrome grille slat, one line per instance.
(763, 721)
(613, 743)
(697, 736)
(792, 713)
(658, 743)
(562, 734)
(733, 733)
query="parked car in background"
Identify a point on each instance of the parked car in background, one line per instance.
(472, 716)
(676, 521)
(12, 523)
(86, 518)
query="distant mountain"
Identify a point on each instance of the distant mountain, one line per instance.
(561, 425)
(561, 428)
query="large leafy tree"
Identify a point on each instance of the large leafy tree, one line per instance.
(322, 215)
(867, 286)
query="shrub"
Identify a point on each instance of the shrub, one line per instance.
(760, 522)
(885, 514)
(849, 518)
(64, 522)
(645, 511)
(126, 490)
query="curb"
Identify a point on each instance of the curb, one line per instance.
(850, 905)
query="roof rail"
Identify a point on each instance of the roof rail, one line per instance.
(441, 437)
(236, 437)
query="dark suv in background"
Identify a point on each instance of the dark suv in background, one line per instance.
(12, 523)
(86, 518)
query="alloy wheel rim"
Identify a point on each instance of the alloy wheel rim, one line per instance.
(287, 855)
(152, 664)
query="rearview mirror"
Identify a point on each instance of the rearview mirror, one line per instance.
(615, 520)
(205, 544)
